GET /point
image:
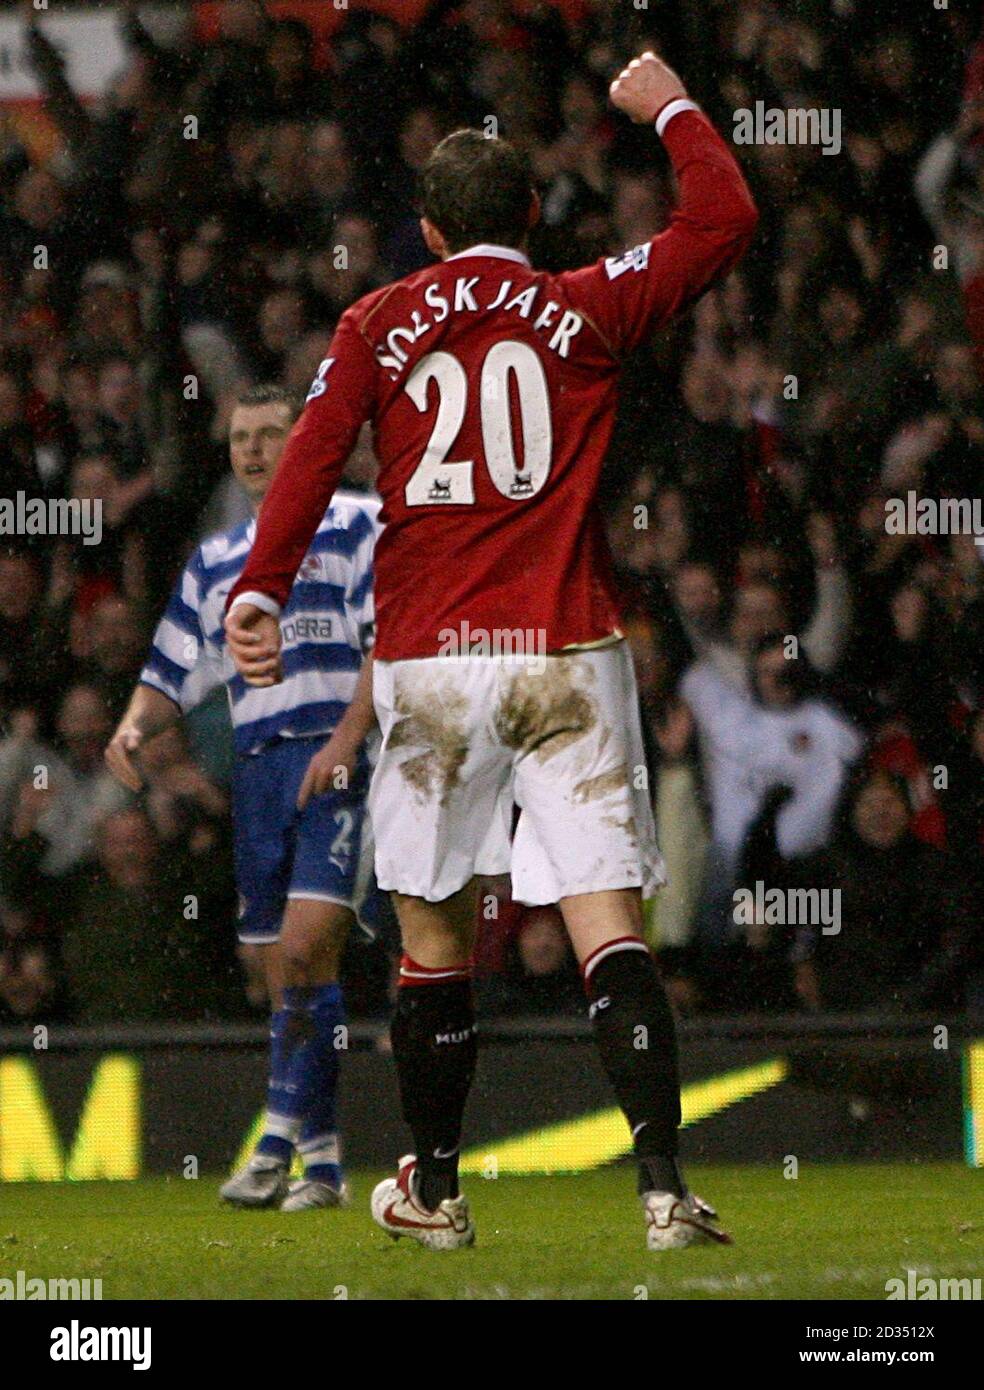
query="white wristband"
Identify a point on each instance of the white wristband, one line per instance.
(671, 109)
(268, 605)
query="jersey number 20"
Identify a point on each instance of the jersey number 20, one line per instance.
(438, 479)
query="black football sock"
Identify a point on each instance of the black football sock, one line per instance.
(661, 1174)
(435, 1049)
(637, 1041)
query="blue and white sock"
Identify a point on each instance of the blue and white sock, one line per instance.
(282, 1126)
(304, 1079)
(318, 1144)
(321, 1154)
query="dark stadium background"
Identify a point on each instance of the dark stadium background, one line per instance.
(212, 258)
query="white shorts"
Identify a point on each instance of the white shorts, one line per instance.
(464, 738)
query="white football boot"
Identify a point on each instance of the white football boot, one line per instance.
(262, 1183)
(396, 1208)
(675, 1222)
(308, 1193)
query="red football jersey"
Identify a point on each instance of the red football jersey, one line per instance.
(492, 391)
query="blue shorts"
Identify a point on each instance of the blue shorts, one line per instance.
(323, 852)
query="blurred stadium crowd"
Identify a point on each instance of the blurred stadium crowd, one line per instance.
(745, 490)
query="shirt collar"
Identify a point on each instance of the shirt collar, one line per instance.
(485, 248)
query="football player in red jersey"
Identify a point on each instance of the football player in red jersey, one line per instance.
(501, 674)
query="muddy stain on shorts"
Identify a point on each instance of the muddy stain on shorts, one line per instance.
(628, 825)
(434, 720)
(597, 788)
(545, 711)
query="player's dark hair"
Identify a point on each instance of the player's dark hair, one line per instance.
(269, 393)
(477, 189)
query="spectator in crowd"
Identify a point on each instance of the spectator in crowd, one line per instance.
(107, 643)
(781, 736)
(28, 984)
(908, 938)
(53, 798)
(23, 678)
(179, 964)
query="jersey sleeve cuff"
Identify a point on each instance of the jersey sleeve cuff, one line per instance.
(671, 109)
(263, 601)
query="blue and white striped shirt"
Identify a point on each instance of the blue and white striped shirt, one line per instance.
(325, 627)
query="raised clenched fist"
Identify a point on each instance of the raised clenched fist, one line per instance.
(646, 85)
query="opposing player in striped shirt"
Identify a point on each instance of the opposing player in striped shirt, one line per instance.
(303, 856)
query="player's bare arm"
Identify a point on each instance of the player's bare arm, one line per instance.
(149, 712)
(341, 751)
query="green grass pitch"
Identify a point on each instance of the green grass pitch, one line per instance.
(838, 1231)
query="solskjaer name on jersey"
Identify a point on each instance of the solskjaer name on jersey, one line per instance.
(474, 294)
